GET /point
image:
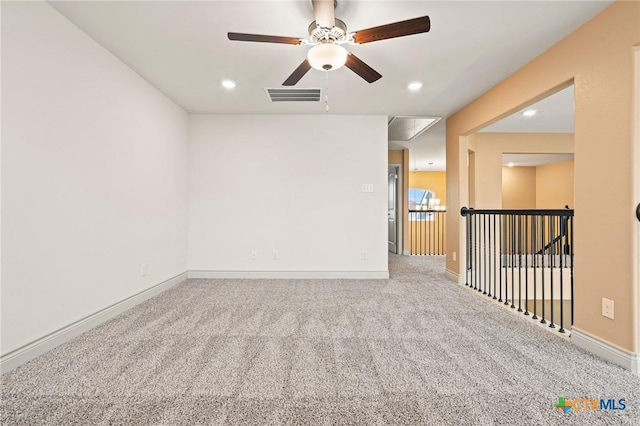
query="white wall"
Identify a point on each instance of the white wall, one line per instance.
(94, 177)
(292, 184)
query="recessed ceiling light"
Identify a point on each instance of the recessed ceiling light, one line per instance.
(530, 112)
(416, 85)
(510, 164)
(228, 84)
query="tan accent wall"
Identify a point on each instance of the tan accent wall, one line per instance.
(471, 172)
(518, 188)
(635, 255)
(395, 157)
(489, 147)
(554, 185)
(433, 181)
(598, 59)
(543, 187)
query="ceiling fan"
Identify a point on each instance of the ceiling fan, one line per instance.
(327, 34)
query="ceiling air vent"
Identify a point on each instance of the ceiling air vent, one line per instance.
(293, 95)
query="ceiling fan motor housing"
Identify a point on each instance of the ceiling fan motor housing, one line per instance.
(318, 34)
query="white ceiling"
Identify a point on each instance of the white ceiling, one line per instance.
(555, 114)
(182, 49)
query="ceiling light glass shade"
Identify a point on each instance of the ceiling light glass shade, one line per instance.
(327, 57)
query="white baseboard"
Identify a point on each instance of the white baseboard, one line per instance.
(606, 350)
(349, 275)
(44, 344)
(452, 276)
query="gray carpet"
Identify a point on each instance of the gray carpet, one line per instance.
(416, 349)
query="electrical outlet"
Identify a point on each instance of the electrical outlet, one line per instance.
(254, 254)
(455, 256)
(607, 308)
(367, 187)
(275, 255)
(144, 269)
(365, 255)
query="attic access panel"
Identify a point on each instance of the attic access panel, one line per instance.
(407, 128)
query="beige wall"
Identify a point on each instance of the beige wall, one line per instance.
(489, 147)
(395, 157)
(433, 181)
(518, 188)
(554, 185)
(598, 59)
(471, 173)
(543, 187)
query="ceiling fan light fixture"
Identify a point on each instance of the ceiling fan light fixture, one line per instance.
(327, 56)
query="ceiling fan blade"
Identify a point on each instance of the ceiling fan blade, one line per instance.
(295, 77)
(324, 13)
(263, 38)
(397, 29)
(362, 69)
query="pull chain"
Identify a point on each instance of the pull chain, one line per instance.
(326, 92)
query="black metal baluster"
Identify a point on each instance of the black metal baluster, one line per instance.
(430, 226)
(526, 264)
(519, 263)
(411, 233)
(489, 248)
(562, 229)
(468, 250)
(439, 250)
(421, 224)
(472, 252)
(436, 240)
(544, 218)
(484, 252)
(502, 251)
(443, 216)
(534, 240)
(495, 252)
(478, 265)
(434, 233)
(513, 259)
(552, 222)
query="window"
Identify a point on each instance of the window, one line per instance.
(421, 199)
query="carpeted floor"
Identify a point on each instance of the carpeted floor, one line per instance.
(416, 349)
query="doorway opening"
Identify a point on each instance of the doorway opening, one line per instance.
(394, 207)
